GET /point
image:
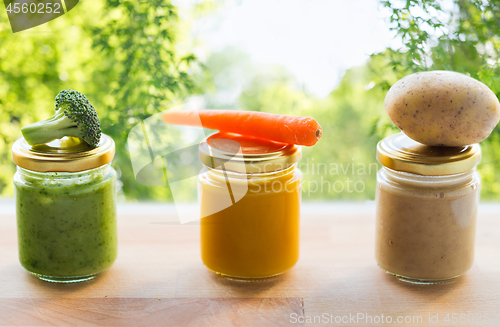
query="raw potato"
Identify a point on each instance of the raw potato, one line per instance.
(443, 108)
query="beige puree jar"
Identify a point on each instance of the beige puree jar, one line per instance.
(427, 200)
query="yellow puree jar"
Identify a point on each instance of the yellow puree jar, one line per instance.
(427, 200)
(250, 198)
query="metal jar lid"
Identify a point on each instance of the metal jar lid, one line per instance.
(64, 155)
(246, 154)
(399, 152)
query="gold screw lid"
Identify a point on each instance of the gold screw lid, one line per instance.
(64, 155)
(246, 154)
(399, 152)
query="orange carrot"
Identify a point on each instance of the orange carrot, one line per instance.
(279, 128)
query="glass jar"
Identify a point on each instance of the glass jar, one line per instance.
(66, 208)
(250, 197)
(427, 199)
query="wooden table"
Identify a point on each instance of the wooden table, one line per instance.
(159, 279)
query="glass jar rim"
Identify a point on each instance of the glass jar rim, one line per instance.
(246, 154)
(63, 155)
(63, 174)
(400, 153)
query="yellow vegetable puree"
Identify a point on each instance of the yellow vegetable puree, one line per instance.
(250, 206)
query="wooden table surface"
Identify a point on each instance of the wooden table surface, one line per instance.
(159, 280)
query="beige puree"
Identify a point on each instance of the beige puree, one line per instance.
(426, 225)
(427, 200)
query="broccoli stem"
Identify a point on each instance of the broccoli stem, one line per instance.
(51, 129)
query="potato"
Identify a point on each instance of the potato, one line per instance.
(443, 108)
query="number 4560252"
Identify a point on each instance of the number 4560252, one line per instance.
(477, 318)
(33, 8)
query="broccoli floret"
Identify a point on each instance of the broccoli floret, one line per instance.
(75, 116)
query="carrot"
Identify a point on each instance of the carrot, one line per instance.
(279, 128)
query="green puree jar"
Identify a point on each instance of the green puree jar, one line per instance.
(66, 208)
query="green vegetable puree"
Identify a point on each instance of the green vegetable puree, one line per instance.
(66, 226)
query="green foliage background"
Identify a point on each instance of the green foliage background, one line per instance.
(132, 60)
(123, 55)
